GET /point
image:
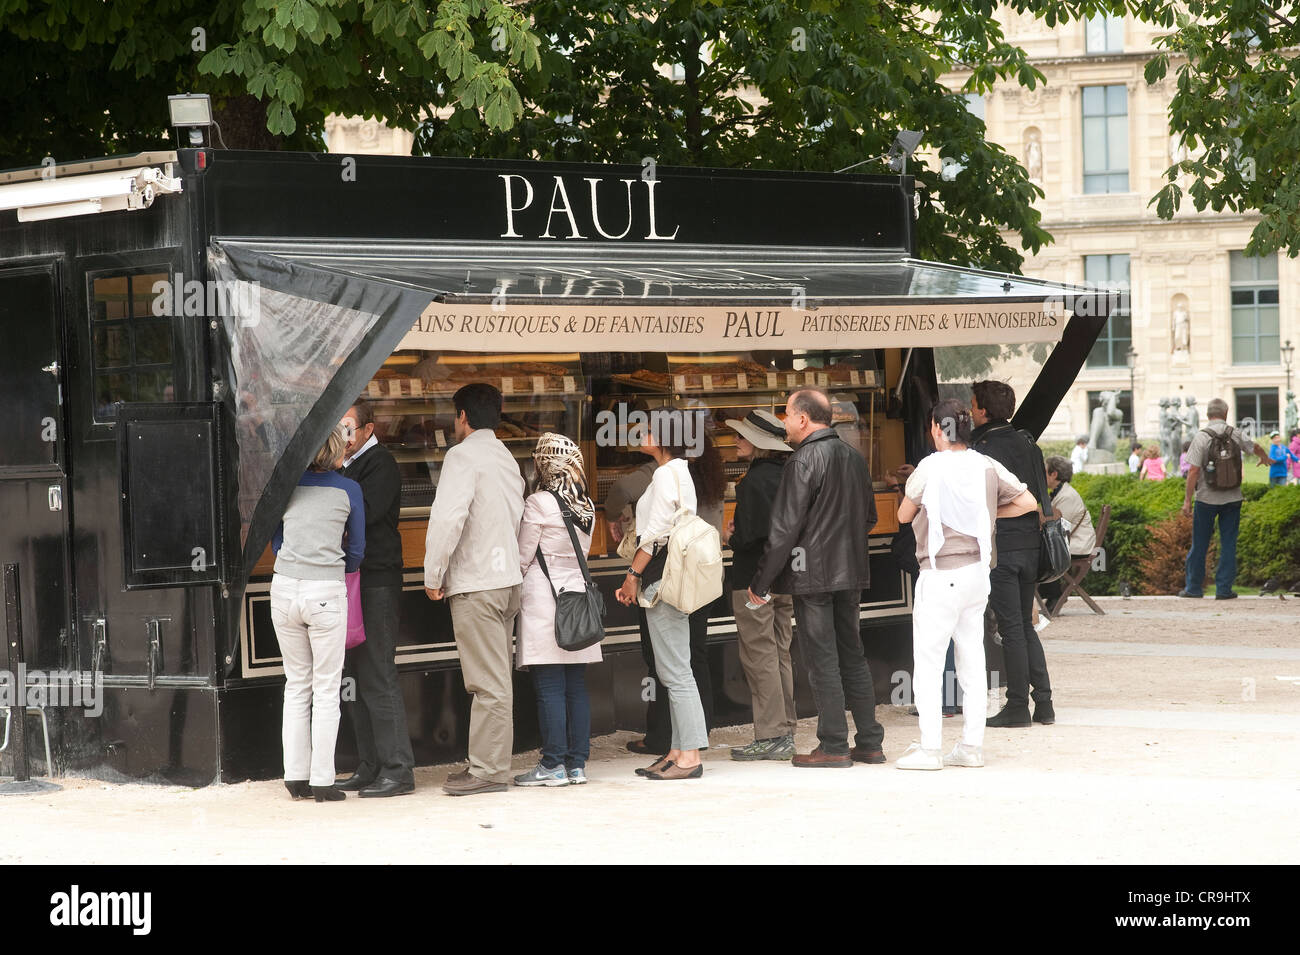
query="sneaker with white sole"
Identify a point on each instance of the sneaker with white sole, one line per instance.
(994, 702)
(1043, 623)
(577, 777)
(965, 755)
(918, 758)
(539, 775)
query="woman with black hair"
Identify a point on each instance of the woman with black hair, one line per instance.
(953, 499)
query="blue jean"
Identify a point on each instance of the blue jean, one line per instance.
(1203, 516)
(563, 714)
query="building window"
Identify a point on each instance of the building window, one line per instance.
(1258, 405)
(1105, 138)
(131, 347)
(1254, 309)
(1125, 405)
(1110, 271)
(1104, 34)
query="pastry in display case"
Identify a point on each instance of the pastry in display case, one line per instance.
(415, 418)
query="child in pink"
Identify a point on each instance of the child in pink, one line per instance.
(1295, 449)
(1153, 467)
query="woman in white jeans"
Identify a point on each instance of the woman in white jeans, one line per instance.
(321, 536)
(953, 498)
(670, 488)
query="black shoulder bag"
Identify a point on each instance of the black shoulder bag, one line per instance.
(579, 614)
(1054, 546)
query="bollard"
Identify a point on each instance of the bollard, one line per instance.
(22, 782)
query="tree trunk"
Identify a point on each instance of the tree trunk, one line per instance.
(243, 124)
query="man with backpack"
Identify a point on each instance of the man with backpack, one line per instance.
(1214, 477)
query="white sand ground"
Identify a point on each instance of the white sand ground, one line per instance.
(1177, 741)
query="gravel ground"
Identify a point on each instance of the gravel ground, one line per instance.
(1176, 742)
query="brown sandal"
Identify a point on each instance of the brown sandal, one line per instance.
(673, 771)
(660, 764)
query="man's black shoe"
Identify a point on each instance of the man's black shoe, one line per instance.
(383, 786)
(1012, 716)
(1184, 593)
(355, 783)
(1231, 595)
(1043, 713)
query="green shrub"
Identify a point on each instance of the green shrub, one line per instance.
(1269, 542)
(1061, 449)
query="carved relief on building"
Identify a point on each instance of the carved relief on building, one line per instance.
(1033, 143)
(1180, 326)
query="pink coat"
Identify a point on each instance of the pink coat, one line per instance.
(1295, 449)
(542, 524)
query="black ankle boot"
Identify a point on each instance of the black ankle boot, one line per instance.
(298, 788)
(1012, 715)
(328, 794)
(1043, 713)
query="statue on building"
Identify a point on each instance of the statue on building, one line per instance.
(1182, 325)
(1292, 415)
(1034, 154)
(1103, 436)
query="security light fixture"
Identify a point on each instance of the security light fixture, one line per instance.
(901, 149)
(191, 112)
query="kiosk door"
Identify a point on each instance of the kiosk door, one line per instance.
(33, 489)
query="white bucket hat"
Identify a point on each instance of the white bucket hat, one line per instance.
(762, 429)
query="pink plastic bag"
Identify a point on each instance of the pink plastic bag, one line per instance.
(356, 628)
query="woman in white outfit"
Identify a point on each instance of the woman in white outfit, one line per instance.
(953, 498)
(671, 488)
(321, 536)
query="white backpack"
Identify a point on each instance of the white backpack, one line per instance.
(693, 568)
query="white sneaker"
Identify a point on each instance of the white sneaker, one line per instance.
(917, 758)
(1042, 624)
(964, 755)
(995, 702)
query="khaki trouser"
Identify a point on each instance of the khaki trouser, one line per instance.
(484, 622)
(763, 640)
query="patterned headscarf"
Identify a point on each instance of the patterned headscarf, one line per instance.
(559, 469)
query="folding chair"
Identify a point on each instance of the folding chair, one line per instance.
(1072, 579)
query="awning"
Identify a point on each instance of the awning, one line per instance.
(549, 296)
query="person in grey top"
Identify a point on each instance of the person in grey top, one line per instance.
(1214, 503)
(321, 536)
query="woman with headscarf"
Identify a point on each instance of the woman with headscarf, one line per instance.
(559, 676)
(953, 499)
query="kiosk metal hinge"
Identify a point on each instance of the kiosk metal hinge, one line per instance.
(100, 652)
(153, 629)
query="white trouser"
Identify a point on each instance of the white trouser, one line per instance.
(949, 605)
(311, 622)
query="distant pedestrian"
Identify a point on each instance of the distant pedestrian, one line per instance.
(953, 499)
(763, 636)
(1214, 478)
(1295, 450)
(471, 558)
(1134, 457)
(1153, 466)
(1079, 453)
(1183, 463)
(1280, 456)
(560, 500)
(1076, 520)
(321, 536)
(817, 552)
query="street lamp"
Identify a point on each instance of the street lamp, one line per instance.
(1288, 352)
(1130, 358)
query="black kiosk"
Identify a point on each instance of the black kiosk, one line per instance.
(181, 330)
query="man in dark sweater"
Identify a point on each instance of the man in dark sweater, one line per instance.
(1016, 544)
(386, 764)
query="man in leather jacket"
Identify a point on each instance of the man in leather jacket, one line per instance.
(817, 551)
(1013, 580)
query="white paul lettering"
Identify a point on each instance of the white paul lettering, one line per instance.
(519, 195)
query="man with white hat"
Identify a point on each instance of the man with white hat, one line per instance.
(763, 636)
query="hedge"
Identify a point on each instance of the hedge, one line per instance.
(1268, 545)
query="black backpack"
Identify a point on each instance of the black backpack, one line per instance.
(1223, 460)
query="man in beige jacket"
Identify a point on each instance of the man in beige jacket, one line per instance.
(471, 559)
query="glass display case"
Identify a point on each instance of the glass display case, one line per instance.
(415, 419)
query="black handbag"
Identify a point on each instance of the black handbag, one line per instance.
(1053, 544)
(579, 614)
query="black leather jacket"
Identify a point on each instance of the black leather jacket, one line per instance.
(823, 511)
